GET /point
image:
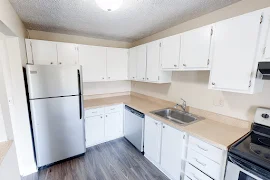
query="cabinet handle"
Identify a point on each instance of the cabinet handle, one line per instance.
(51, 62)
(102, 77)
(213, 83)
(94, 112)
(199, 162)
(163, 127)
(195, 176)
(100, 116)
(108, 77)
(184, 65)
(106, 116)
(133, 77)
(147, 78)
(201, 148)
(156, 123)
(175, 65)
(60, 63)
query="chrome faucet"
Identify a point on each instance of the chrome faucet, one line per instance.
(183, 105)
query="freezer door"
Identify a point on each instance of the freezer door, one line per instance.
(52, 81)
(57, 128)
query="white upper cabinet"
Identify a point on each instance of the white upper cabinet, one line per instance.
(235, 55)
(67, 54)
(170, 52)
(41, 52)
(117, 64)
(171, 151)
(153, 61)
(141, 62)
(132, 65)
(93, 62)
(195, 49)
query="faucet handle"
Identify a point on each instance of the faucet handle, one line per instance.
(184, 102)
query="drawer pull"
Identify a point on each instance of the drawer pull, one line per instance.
(94, 112)
(113, 109)
(202, 148)
(199, 162)
(195, 176)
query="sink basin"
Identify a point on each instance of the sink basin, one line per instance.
(178, 116)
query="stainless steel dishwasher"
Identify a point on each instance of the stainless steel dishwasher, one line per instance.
(134, 127)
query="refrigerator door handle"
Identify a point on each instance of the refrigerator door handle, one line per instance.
(80, 93)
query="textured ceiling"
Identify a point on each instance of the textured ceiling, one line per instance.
(135, 19)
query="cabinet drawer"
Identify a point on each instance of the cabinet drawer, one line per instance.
(94, 112)
(206, 149)
(204, 164)
(115, 108)
(192, 173)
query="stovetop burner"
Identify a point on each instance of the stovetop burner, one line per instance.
(255, 147)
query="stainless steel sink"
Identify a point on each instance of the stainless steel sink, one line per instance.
(178, 116)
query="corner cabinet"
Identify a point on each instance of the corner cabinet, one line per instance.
(117, 63)
(132, 64)
(93, 62)
(145, 64)
(237, 50)
(141, 63)
(153, 71)
(103, 124)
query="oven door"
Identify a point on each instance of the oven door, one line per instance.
(240, 169)
(234, 172)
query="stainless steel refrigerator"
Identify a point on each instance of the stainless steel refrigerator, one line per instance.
(56, 107)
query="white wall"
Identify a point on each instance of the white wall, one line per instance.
(19, 114)
(49, 36)
(192, 86)
(106, 87)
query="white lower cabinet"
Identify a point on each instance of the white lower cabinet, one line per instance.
(204, 161)
(163, 145)
(103, 124)
(113, 125)
(94, 130)
(152, 139)
(171, 151)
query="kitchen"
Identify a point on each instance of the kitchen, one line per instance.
(128, 103)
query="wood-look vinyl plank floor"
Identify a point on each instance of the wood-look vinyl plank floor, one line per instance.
(114, 160)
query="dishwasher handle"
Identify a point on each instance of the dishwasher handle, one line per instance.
(137, 113)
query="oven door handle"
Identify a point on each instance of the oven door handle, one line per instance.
(251, 170)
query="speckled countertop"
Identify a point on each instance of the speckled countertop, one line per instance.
(218, 133)
(4, 147)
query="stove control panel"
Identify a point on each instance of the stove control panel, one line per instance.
(262, 116)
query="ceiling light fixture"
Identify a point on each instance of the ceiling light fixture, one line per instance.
(109, 5)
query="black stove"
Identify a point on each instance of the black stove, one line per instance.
(252, 152)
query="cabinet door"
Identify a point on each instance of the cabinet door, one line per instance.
(94, 130)
(195, 48)
(171, 151)
(132, 63)
(44, 52)
(113, 125)
(267, 48)
(153, 63)
(67, 54)
(234, 53)
(152, 139)
(141, 62)
(117, 64)
(93, 62)
(170, 52)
